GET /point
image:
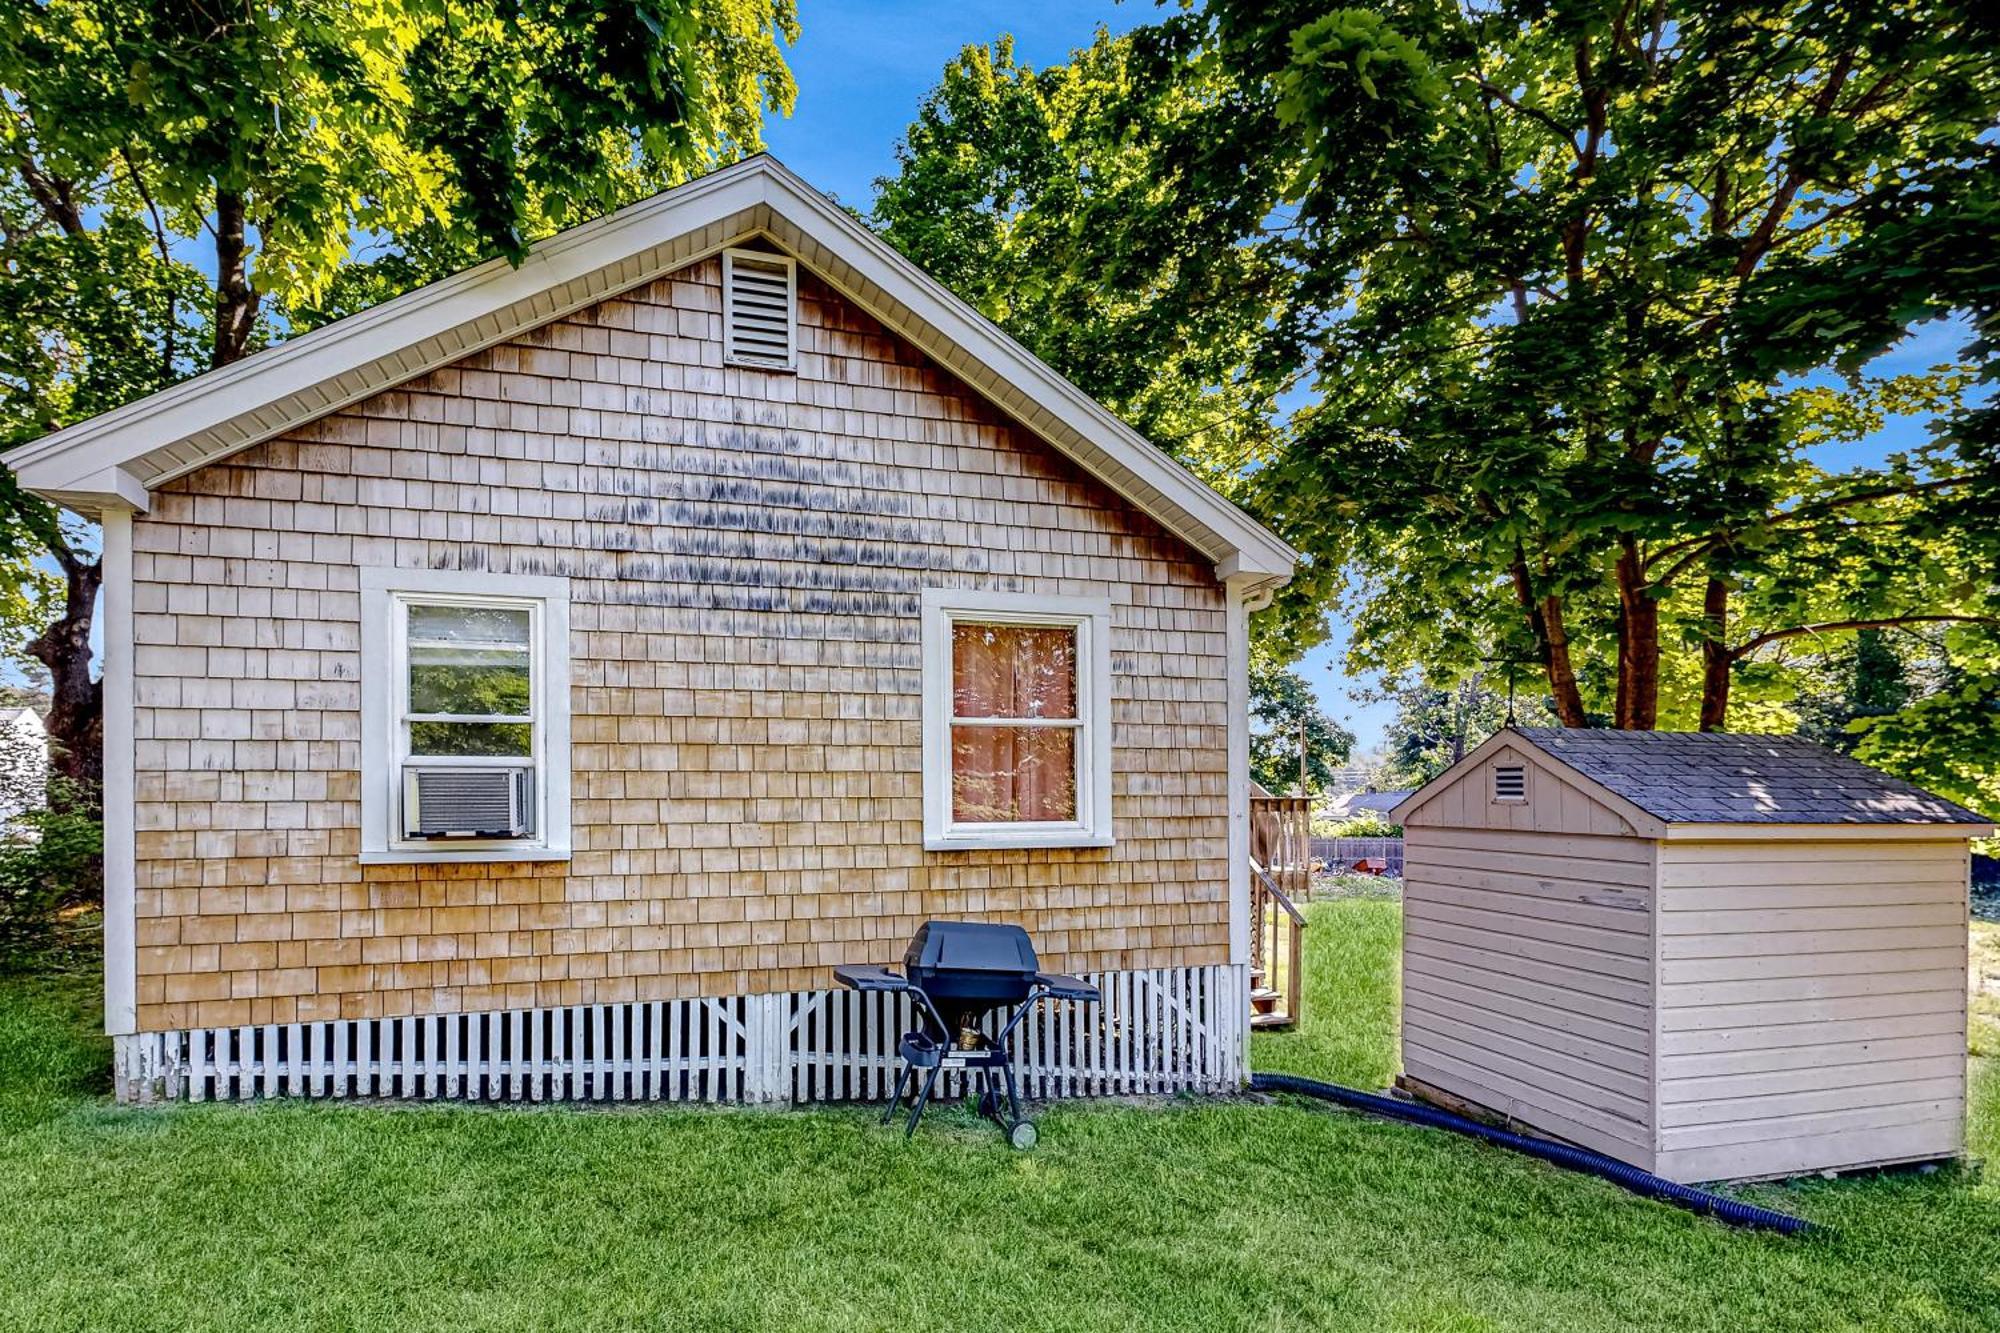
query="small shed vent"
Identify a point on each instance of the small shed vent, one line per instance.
(759, 310)
(1510, 782)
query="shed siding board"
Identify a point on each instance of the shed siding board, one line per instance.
(1811, 1004)
(746, 551)
(1527, 960)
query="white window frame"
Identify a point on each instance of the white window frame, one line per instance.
(385, 682)
(761, 258)
(1090, 617)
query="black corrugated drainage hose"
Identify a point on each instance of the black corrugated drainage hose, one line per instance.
(1562, 1154)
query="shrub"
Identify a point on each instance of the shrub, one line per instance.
(1367, 824)
(51, 873)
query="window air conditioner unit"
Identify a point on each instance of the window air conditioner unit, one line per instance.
(468, 802)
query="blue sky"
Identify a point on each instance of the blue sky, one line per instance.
(863, 65)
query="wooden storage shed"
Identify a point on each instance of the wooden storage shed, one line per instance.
(1712, 956)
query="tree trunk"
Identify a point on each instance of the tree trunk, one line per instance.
(76, 709)
(1545, 621)
(1562, 675)
(235, 298)
(1716, 659)
(1638, 702)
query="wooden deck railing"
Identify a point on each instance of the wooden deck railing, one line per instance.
(1281, 841)
(1280, 878)
(1277, 953)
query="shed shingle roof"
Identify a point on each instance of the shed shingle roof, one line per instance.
(1687, 777)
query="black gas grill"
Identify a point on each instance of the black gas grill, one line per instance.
(956, 972)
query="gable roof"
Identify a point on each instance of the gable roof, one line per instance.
(1716, 777)
(1353, 803)
(113, 460)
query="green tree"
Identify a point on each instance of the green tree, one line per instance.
(1572, 295)
(1571, 261)
(1436, 725)
(1864, 677)
(1284, 714)
(1082, 208)
(1949, 740)
(185, 180)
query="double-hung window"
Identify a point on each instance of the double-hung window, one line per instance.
(1017, 740)
(465, 702)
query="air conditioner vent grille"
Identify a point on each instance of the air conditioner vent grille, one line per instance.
(468, 802)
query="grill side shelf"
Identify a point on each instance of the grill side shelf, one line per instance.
(871, 978)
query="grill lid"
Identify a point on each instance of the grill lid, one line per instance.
(970, 946)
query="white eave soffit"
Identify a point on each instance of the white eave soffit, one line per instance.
(111, 460)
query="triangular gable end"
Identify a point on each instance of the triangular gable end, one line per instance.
(114, 460)
(1559, 797)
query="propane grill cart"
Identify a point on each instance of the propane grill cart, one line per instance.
(956, 972)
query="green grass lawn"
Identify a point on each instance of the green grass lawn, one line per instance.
(1208, 1215)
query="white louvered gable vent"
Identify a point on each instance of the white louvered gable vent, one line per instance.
(760, 325)
(1510, 782)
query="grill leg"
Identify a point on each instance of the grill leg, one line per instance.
(896, 1097)
(1013, 1098)
(917, 1111)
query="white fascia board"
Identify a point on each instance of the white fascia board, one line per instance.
(320, 372)
(300, 365)
(1857, 832)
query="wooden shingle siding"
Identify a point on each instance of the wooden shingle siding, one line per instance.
(1527, 976)
(745, 551)
(1812, 1004)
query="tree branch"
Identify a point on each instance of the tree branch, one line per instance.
(1834, 626)
(1536, 114)
(1817, 509)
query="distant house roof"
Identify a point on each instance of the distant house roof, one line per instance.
(26, 720)
(1381, 802)
(1687, 777)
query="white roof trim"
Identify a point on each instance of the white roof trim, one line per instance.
(1644, 824)
(111, 460)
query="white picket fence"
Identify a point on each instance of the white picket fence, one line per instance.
(1157, 1031)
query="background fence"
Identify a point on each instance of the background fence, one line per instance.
(1339, 854)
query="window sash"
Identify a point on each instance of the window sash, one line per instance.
(406, 641)
(1079, 722)
(404, 755)
(945, 612)
(957, 720)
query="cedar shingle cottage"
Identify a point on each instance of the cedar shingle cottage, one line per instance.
(536, 684)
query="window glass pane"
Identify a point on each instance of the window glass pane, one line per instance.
(1013, 670)
(469, 660)
(469, 624)
(448, 679)
(481, 739)
(1004, 775)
